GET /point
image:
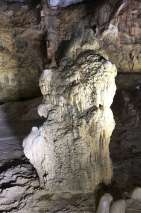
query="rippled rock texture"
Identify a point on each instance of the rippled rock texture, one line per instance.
(71, 150)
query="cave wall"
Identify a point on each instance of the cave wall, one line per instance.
(121, 40)
(21, 58)
(116, 26)
(125, 143)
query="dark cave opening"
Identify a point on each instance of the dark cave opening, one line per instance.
(125, 145)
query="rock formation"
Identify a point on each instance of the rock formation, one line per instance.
(79, 122)
(121, 39)
(107, 205)
(21, 60)
(104, 204)
(17, 177)
(116, 25)
(68, 145)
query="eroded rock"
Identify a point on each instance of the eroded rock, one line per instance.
(78, 126)
(21, 59)
(121, 39)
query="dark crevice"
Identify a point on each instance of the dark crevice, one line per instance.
(125, 147)
(13, 163)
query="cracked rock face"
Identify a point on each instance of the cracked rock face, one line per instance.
(71, 150)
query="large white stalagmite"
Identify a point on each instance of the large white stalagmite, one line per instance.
(72, 151)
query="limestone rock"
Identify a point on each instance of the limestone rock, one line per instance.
(115, 24)
(17, 177)
(121, 39)
(104, 204)
(19, 183)
(76, 133)
(35, 141)
(62, 27)
(20, 53)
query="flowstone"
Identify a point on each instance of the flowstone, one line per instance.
(71, 151)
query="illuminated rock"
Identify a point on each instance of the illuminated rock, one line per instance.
(62, 3)
(73, 154)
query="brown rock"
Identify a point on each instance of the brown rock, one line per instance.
(122, 40)
(20, 54)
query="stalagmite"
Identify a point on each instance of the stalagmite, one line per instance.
(106, 207)
(69, 146)
(118, 207)
(104, 204)
(71, 152)
(33, 145)
(136, 194)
